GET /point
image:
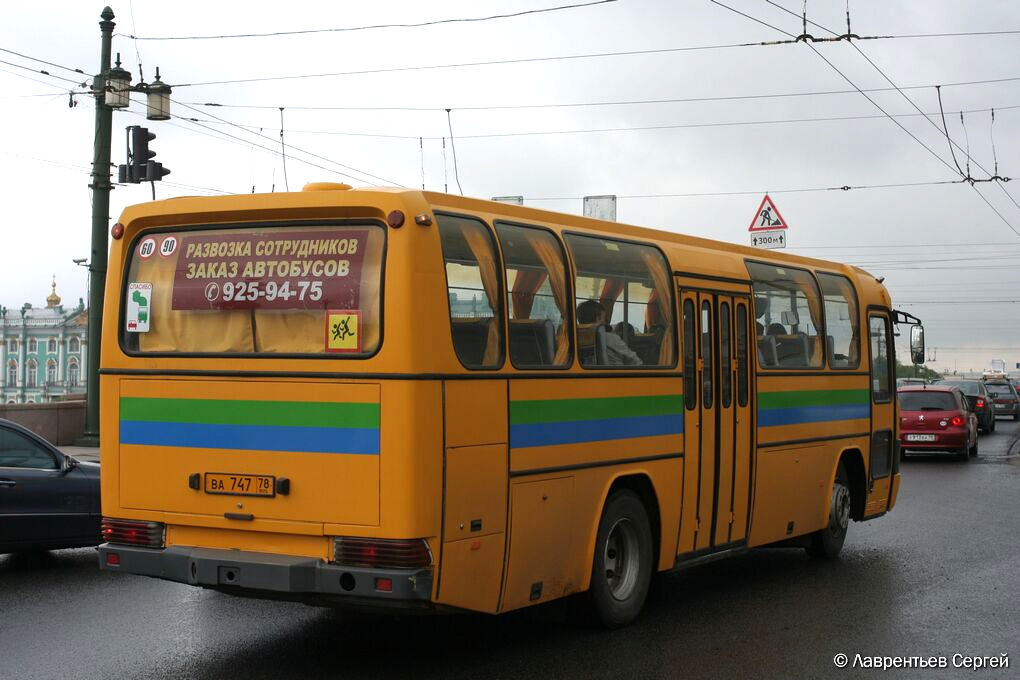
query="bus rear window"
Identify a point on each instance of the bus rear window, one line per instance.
(927, 401)
(295, 289)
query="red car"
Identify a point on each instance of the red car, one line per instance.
(935, 418)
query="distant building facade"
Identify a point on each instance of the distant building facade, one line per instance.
(44, 352)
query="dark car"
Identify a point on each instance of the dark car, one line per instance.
(936, 418)
(48, 500)
(978, 399)
(1004, 396)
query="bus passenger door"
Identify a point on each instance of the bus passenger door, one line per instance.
(700, 423)
(883, 412)
(717, 420)
(743, 418)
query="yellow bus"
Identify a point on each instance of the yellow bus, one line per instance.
(397, 398)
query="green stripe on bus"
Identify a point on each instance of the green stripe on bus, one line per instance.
(799, 398)
(563, 410)
(248, 412)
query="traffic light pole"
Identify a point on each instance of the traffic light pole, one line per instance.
(100, 227)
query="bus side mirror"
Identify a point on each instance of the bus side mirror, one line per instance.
(917, 344)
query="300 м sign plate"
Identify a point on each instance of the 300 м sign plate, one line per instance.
(772, 238)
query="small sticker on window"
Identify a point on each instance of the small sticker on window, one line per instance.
(343, 330)
(168, 247)
(147, 247)
(876, 385)
(611, 246)
(139, 307)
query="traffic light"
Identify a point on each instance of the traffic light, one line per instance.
(140, 167)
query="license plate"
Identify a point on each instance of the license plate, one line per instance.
(921, 437)
(229, 484)
(1001, 406)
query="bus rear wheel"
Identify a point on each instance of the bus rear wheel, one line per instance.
(827, 543)
(622, 566)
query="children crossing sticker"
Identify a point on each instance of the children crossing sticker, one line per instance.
(139, 307)
(343, 330)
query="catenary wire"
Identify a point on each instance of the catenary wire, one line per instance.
(42, 72)
(304, 151)
(632, 102)
(898, 124)
(42, 61)
(943, 130)
(436, 22)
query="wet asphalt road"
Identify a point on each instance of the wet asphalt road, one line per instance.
(937, 576)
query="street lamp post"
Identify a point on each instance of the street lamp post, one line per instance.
(100, 220)
(112, 88)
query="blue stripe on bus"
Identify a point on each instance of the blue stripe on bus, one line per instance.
(251, 437)
(551, 434)
(812, 414)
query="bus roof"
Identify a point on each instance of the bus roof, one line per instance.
(716, 256)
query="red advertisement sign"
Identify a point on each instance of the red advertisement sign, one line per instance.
(282, 270)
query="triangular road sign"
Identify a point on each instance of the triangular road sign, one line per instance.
(767, 217)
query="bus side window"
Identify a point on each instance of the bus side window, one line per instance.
(537, 297)
(473, 291)
(881, 392)
(690, 357)
(789, 312)
(725, 361)
(842, 339)
(624, 304)
(741, 354)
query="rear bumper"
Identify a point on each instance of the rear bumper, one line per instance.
(255, 574)
(945, 442)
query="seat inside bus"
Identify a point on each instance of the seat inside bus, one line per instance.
(470, 337)
(591, 344)
(532, 342)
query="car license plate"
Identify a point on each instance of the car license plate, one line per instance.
(1000, 406)
(230, 484)
(921, 437)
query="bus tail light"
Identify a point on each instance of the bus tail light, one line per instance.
(133, 532)
(957, 421)
(380, 553)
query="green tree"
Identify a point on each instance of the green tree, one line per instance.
(915, 371)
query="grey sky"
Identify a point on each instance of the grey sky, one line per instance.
(47, 147)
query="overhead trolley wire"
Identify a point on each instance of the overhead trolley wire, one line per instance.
(437, 22)
(757, 192)
(503, 62)
(491, 62)
(43, 72)
(639, 128)
(304, 151)
(944, 130)
(42, 61)
(631, 102)
(898, 124)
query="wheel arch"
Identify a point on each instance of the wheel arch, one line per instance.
(857, 476)
(640, 482)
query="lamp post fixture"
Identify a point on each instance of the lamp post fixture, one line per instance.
(112, 89)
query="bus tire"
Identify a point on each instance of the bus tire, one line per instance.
(622, 566)
(826, 543)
